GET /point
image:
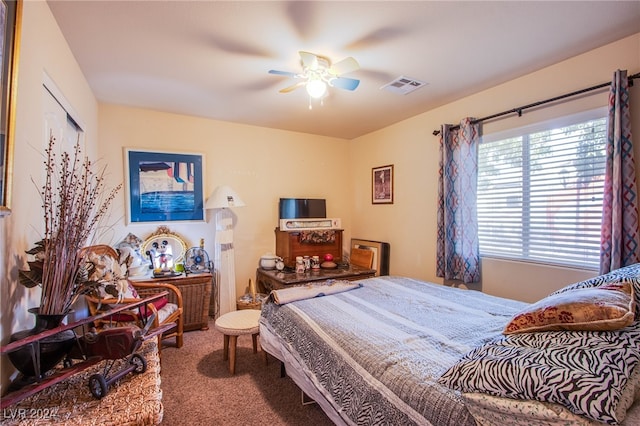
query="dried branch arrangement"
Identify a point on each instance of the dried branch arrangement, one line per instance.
(74, 200)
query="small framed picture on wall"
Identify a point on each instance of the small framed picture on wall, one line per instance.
(382, 185)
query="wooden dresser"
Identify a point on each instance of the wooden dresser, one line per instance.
(290, 244)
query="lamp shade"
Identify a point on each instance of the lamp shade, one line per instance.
(223, 197)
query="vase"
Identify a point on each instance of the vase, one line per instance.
(52, 349)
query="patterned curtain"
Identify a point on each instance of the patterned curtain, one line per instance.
(458, 249)
(619, 235)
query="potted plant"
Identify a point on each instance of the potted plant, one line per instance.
(74, 201)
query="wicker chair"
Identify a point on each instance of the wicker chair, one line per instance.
(104, 266)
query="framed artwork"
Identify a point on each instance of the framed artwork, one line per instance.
(163, 186)
(10, 24)
(382, 185)
(380, 254)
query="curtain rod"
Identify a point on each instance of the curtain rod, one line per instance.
(546, 101)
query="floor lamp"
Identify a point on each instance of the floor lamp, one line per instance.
(221, 200)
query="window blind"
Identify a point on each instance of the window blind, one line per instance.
(540, 194)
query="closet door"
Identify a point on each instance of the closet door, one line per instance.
(58, 123)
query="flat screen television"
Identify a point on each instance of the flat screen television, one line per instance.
(302, 208)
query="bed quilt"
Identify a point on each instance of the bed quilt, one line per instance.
(376, 352)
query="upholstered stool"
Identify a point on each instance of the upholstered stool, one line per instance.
(234, 324)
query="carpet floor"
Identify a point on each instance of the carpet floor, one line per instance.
(197, 388)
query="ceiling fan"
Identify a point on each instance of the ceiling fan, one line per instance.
(318, 72)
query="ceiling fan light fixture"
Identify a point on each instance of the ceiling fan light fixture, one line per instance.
(318, 74)
(316, 88)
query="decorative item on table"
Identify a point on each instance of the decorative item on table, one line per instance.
(328, 262)
(165, 250)
(74, 200)
(299, 265)
(196, 260)
(315, 263)
(269, 261)
(132, 260)
(161, 260)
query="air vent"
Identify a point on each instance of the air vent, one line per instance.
(403, 85)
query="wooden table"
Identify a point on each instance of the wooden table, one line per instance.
(196, 295)
(267, 280)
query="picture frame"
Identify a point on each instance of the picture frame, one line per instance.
(163, 186)
(380, 254)
(382, 185)
(10, 27)
(174, 247)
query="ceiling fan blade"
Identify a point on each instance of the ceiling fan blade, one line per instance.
(285, 73)
(344, 83)
(294, 87)
(344, 66)
(309, 60)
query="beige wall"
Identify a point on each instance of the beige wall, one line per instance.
(264, 164)
(43, 50)
(409, 225)
(260, 164)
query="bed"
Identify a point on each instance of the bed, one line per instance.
(394, 350)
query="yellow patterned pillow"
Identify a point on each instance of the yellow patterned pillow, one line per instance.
(607, 307)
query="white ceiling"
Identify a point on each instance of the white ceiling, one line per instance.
(211, 58)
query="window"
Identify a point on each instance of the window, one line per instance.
(540, 192)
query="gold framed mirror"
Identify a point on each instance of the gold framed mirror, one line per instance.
(165, 248)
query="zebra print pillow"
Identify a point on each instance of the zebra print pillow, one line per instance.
(585, 371)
